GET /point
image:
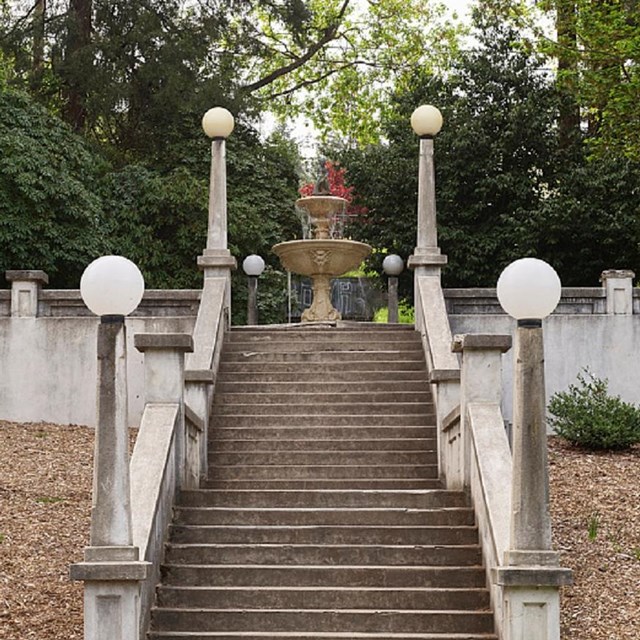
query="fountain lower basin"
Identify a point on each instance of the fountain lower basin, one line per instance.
(321, 260)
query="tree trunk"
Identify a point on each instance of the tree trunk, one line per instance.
(569, 122)
(76, 66)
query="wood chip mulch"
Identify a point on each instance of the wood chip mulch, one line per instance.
(45, 502)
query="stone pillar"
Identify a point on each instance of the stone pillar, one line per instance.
(111, 569)
(164, 380)
(392, 302)
(216, 261)
(426, 258)
(198, 384)
(618, 286)
(252, 300)
(25, 291)
(480, 380)
(532, 575)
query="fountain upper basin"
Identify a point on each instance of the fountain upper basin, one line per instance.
(330, 257)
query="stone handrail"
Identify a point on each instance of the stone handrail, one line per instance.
(442, 364)
(490, 487)
(153, 488)
(201, 366)
(170, 449)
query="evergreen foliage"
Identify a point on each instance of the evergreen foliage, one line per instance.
(50, 213)
(589, 417)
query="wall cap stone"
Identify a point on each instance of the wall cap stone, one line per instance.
(109, 571)
(426, 259)
(26, 275)
(174, 341)
(617, 273)
(444, 375)
(532, 576)
(204, 376)
(481, 342)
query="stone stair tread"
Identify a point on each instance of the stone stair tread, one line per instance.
(275, 635)
(327, 518)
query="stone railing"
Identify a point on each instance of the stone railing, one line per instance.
(482, 450)
(170, 451)
(443, 366)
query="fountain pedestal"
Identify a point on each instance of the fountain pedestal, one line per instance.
(321, 260)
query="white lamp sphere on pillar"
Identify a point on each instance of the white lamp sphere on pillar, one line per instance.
(218, 123)
(253, 265)
(426, 120)
(112, 286)
(529, 289)
(393, 265)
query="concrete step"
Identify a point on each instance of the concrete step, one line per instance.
(220, 445)
(324, 409)
(323, 386)
(394, 484)
(365, 419)
(398, 433)
(332, 620)
(309, 358)
(237, 373)
(304, 345)
(355, 335)
(345, 397)
(324, 534)
(320, 575)
(417, 499)
(323, 598)
(303, 635)
(319, 472)
(328, 456)
(319, 369)
(355, 516)
(273, 554)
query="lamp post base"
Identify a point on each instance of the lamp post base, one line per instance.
(531, 601)
(111, 594)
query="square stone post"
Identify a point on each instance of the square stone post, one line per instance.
(426, 259)
(531, 576)
(25, 291)
(618, 286)
(216, 260)
(480, 381)
(198, 384)
(164, 381)
(111, 570)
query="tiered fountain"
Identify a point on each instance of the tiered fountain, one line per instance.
(324, 256)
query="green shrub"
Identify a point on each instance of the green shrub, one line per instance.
(588, 416)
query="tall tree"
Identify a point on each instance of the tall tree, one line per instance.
(494, 159)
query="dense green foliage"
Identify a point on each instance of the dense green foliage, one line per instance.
(588, 416)
(505, 187)
(64, 203)
(50, 214)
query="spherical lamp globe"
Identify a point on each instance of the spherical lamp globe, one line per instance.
(253, 265)
(218, 123)
(529, 289)
(112, 286)
(426, 120)
(393, 265)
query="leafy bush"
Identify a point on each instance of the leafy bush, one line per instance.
(588, 416)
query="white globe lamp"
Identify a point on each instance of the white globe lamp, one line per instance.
(529, 289)
(253, 265)
(218, 123)
(393, 265)
(426, 120)
(112, 286)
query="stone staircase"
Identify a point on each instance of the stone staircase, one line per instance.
(323, 516)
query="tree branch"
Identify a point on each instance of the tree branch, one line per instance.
(328, 34)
